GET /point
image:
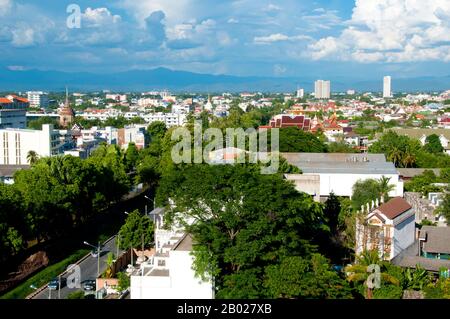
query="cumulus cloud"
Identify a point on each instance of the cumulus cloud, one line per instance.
(391, 31)
(5, 7)
(99, 17)
(279, 37)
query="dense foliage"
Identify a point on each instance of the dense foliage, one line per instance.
(406, 152)
(58, 194)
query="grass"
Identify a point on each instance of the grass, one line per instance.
(44, 276)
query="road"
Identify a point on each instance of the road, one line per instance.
(88, 268)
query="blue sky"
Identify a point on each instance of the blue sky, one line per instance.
(362, 39)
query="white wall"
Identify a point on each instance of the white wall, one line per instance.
(342, 184)
(180, 284)
(404, 234)
(15, 144)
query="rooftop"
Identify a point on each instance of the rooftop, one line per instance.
(340, 163)
(394, 208)
(9, 170)
(185, 244)
(437, 239)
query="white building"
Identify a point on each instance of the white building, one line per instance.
(322, 89)
(132, 134)
(116, 97)
(38, 99)
(169, 274)
(300, 93)
(387, 93)
(388, 228)
(16, 143)
(338, 172)
(170, 119)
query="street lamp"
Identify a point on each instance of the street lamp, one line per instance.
(152, 200)
(98, 255)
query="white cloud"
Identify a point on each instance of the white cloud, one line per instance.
(99, 17)
(233, 20)
(272, 7)
(23, 37)
(392, 31)
(5, 7)
(16, 68)
(176, 11)
(278, 37)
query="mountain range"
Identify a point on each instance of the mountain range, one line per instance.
(182, 81)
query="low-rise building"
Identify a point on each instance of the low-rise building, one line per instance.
(17, 143)
(388, 228)
(338, 172)
(169, 273)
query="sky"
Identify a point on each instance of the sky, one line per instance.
(285, 38)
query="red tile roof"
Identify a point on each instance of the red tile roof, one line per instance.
(394, 208)
(4, 100)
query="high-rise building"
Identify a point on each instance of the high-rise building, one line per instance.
(300, 93)
(387, 87)
(38, 99)
(322, 89)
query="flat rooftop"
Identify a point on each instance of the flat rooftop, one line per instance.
(340, 163)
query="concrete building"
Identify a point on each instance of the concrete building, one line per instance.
(387, 93)
(300, 93)
(16, 143)
(338, 172)
(170, 119)
(132, 134)
(168, 274)
(322, 89)
(13, 112)
(38, 99)
(388, 228)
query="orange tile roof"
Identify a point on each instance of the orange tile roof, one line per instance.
(4, 100)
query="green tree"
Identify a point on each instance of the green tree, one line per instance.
(32, 157)
(124, 281)
(245, 222)
(384, 187)
(358, 273)
(365, 191)
(331, 211)
(293, 139)
(157, 130)
(433, 144)
(136, 228)
(131, 156)
(296, 277)
(444, 208)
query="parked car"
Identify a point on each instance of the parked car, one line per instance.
(54, 283)
(88, 285)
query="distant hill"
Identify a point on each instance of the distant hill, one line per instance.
(163, 78)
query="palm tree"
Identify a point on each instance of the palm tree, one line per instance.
(409, 159)
(395, 155)
(358, 273)
(385, 187)
(32, 157)
(109, 263)
(416, 279)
